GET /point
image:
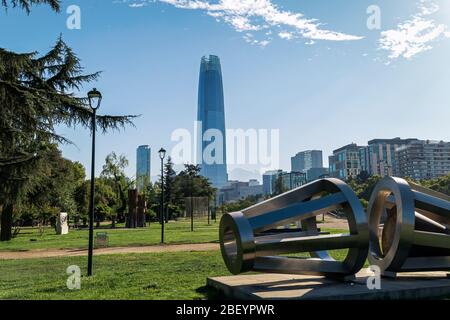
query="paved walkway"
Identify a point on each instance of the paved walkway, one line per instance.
(32, 254)
(330, 222)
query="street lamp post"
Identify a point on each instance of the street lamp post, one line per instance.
(191, 180)
(95, 98)
(162, 154)
(215, 206)
(209, 208)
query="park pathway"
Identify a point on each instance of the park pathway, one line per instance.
(33, 254)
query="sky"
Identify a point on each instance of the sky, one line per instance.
(324, 73)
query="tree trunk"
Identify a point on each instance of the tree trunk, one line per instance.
(6, 222)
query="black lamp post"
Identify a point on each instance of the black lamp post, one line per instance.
(162, 154)
(95, 98)
(191, 180)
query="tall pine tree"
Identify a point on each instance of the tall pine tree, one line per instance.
(38, 93)
(169, 180)
(26, 4)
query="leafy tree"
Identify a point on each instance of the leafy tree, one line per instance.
(441, 184)
(81, 198)
(36, 95)
(26, 4)
(169, 194)
(51, 188)
(240, 204)
(279, 186)
(11, 189)
(189, 183)
(152, 195)
(363, 187)
(114, 169)
(363, 176)
(105, 200)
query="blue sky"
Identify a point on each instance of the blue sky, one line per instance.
(324, 83)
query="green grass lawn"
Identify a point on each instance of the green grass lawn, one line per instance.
(170, 275)
(175, 232)
(180, 275)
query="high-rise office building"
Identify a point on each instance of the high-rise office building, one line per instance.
(305, 160)
(407, 158)
(424, 159)
(211, 115)
(345, 162)
(290, 180)
(143, 154)
(364, 159)
(236, 190)
(269, 178)
(316, 173)
(382, 158)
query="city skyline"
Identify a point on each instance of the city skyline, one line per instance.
(224, 150)
(325, 94)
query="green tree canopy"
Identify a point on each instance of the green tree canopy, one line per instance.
(113, 169)
(278, 186)
(26, 4)
(441, 184)
(52, 186)
(37, 94)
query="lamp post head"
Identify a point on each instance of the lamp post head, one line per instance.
(95, 98)
(162, 153)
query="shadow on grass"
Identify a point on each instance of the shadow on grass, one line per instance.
(210, 293)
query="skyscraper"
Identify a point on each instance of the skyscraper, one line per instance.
(423, 159)
(345, 162)
(290, 180)
(211, 115)
(142, 166)
(269, 178)
(382, 158)
(305, 160)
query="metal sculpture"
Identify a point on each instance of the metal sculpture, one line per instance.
(247, 242)
(415, 235)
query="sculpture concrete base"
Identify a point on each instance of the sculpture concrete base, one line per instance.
(303, 287)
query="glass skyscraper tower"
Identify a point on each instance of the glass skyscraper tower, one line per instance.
(143, 154)
(211, 115)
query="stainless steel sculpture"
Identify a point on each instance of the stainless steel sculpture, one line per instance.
(416, 235)
(246, 245)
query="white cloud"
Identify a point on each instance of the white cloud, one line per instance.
(137, 5)
(285, 35)
(241, 23)
(250, 38)
(257, 15)
(414, 35)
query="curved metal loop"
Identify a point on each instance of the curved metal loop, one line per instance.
(415, 228)
(249, 242)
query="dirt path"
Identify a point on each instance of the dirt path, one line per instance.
(32, 254)
(330, 222)
(333, 223)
